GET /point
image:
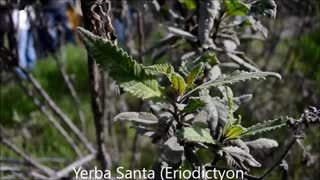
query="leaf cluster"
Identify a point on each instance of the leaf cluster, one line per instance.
(184, 114)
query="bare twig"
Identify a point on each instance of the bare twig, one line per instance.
(9, 169)
(181, 33)
(20, 172)
(140, 24)
(97, 20)
(37, 175)
(65, 171)
(135, 144)
(243, 63)
(277, 163)
(26, 157)
(41, 160)
(56, 109)
(134, 148)
(75, 98)
(19, 175)
(42, 108)
(72, 91)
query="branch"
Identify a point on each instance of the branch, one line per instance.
(310, 116)
(96, 20)
(134, 148)
(241, 62)
(140, 24)
(293, 141)
(72, 91)
(57, 110)
(27, 158)
(42, 108)
(75, 164)
(20, 172)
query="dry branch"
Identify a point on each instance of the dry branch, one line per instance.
(43, 109)
(26, 157)
(72, 91)
(75, 164)
(96, 19)
(56, 109)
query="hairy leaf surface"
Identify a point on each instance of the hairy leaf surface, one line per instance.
(238, 158)
(142, 118)
(161, 68)
(235, 77)
(178, 83)
(265, 126)
(194, 74)
(197, 134)
(193, 105)
(262, 143)
(172, 151)
(234, 131)
(236, 8)
(128, 73)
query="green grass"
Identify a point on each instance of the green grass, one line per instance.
(46, 141)
(17, 108)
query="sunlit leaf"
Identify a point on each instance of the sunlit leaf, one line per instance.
(236, 8)
(178, 83)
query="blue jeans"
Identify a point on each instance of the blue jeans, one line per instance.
(26, 52)
(120, 31)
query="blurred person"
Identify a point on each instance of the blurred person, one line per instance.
(119, 23)
(120, 28)
(25, 45)
(74, 18)
(55, 12)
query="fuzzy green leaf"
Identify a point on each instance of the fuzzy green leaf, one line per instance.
(195, 73)
(238, 158)
(193, 105)
(209, 57)
(190, 4)
(161, 68)
(197, 134)
(265, 126)
(234, 132)
(143, 122)
(239, 76)
(206, 58)
(236, 8)
(235, 77)
(142, 89)
(178, 83)
(143, 118)
(128, 73)
(262, 144)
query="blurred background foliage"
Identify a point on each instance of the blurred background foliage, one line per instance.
(292, 49)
